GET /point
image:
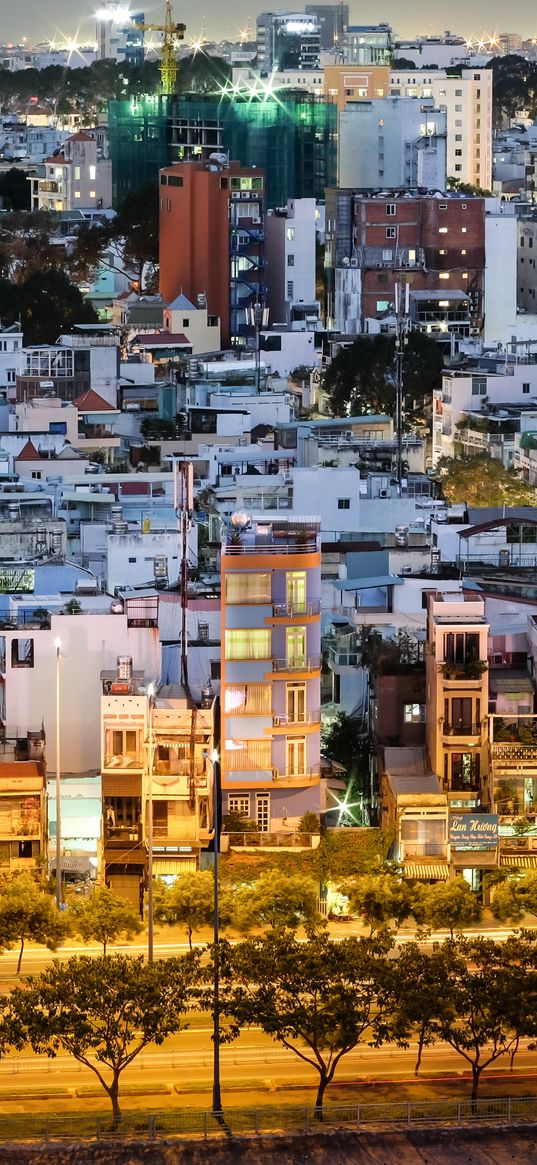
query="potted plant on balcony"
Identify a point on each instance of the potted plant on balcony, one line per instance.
(42, 616)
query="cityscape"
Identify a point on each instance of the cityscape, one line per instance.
(268, 588)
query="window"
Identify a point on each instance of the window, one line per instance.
(248, 700)
(442, 230)
(290, 289)
(262, 811)
(239, 805)
(123, 748)
(458, 109)
(132, 559)
(290, 260)
(391, 232)
(414, 713)
(248, 643)
(186, 323)
(458, 137)
(295, 704)
(391, 209)
(175, 180)
(458, 169)
(479, 386)
(216, 669)
(203, 630)
(458, 122)
(290, 234)
(443, 275)
(92, 173)
(22, 653)
(525, 388)
(458, 153)
(463, 252)
(295, 643)
(464, 230)
(296, 756)
(248, 755)
(248, 588)
(344, 503)
(77, 173)
(458, 93)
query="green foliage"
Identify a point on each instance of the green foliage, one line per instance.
(238, 823)
(468, 188)
(72, 607)
(515, 896)
(47, 305)
(189, 902)
(160, 429)
(15, 189)
(361, 379)
(318, 998)
(380, 899)
(104, 1012)
(275, 900)
(300, 373)
(343, 853)
(27, 913)
(137, 224)
(104, 917)
(482, 481)
(309, 823)
(514, 87)
(449, 906)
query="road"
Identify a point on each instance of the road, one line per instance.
(253, 1062)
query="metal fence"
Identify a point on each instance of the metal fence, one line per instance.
(270, 1121)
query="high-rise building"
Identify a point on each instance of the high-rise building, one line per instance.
(390, 142)
(212, 239)
(271, 667)
(119, 34)
(291, 267)
(332, 20)
(287, 40)
(366, 44)
(291, 135)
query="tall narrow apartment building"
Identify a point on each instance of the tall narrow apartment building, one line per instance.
(271, 667)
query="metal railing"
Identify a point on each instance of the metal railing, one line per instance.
(285, 721)
(299, 663)
(461, 729)
(293, 609)
(279, 1121)
(309, 546)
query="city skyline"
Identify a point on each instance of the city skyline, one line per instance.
(60, 21)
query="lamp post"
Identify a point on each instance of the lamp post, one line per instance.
(150, 922)
(58, 783)
(217, 1097)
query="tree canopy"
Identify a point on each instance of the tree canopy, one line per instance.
(276, 900)
(103, 917)
(449, 906)
(482, 481)
(380, 899)
(362, 377)
(47, 305)
(189, 902)
(28, 913)
(104, 1012)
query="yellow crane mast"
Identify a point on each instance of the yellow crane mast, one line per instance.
(172, 33)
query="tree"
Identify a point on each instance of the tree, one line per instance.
(417, 995)
(475, 1005)
(345, 742)
(380, 899)
(104, 1012)
(15, 189)
(514, 87)
(136, 230)
(362, 377)
(318, 998)
(482, 481)
(104, 917)
(277, 901)
(447, 906)
(514, 897)
(189, 902)
(27, 913)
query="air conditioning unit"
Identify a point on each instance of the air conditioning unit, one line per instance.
(245, 194)
(256, 220)
(383, 493)
(235, 194)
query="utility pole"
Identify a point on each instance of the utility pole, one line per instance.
(402, 325)
(258, 317)
(184, 503)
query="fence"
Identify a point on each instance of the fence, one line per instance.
(271, 1121)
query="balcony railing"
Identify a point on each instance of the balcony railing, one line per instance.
(127, 835)
(285, 721)
(470, 669)
(514, 752)
(462, 729)
(281, 610)
(279, 840)
(298, 663)
(123, 761)
(423, 849)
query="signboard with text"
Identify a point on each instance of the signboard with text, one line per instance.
(473, 830)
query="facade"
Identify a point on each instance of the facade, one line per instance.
(212, 239)
(156, 777)
(23, 824)
(526, 268)
(271, 578)
(78, 178)
(466, 390)
(346, 84)
(466, 96)
(436, 242)
(367, 44)
(118, 35)
(389, 142)
(291, 267)
(287, 40)
(332, 19)
(70, 368)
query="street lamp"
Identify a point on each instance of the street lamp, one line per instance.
(151, 690)
(217, 1109)
(58, 782)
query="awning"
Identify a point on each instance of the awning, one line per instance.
(181, 864)
(124, 785)
(523, 861)
(423, 870)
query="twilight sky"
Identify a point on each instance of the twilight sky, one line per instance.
(38, 20)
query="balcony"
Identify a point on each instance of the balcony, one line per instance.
(298, 718)
(298, 663)
(466, 670)
(296, 610)
(462, 729)
(423, 849)
(124, 836)
(124, 762)
(280, 840)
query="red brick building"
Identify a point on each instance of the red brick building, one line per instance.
(435, 242)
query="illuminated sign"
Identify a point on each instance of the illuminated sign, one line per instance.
(473, 830)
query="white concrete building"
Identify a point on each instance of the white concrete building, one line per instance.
(463, 391)
(290, 254)
(11, 341)
(76, 179)
(500, 273)
(391, 142)
(468, 103)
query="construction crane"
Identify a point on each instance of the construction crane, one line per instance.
(172, 33)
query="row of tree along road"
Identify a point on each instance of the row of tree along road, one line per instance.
(317, 997)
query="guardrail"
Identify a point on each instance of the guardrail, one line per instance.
(272, 1121)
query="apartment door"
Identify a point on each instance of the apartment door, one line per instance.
(262, 811)
(296, 646)
(296, 590)
(296, 703)
(296, 756)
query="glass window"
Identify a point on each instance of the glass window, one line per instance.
(22, 653)
(344, 503)
(248, 588)
(248, 643)
(248, 700)
(414, 713)
(240, 805)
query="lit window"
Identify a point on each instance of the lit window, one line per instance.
(414, 713)
(463, 230)
(92, 194)
(92, 173)
(77, 173)
(442, 230)
(77, 193)
(290, 233)
(444, 274)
